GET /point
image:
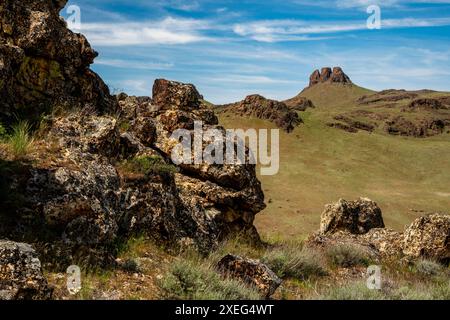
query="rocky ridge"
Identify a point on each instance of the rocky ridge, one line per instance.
(283, 116)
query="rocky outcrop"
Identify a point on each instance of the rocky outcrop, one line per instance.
(326, 75)
(361, 223)
(259, 107)
(99, 184)
(44, 65)
(252, 272)
(21, 276)
(428, 237)
(420, 128)
(299, 103)
(356, 217)
(427, 104)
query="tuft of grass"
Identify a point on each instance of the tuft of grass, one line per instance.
(295, 262)
(347, 255)
(2, 132)
(20, 140)
(428, 267)
(196, 279)
(148, 165)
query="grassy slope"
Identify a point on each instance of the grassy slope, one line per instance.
(319, 165)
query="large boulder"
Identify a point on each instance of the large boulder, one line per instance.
(428, 237)
(252, 272)
(43, 64)
(21, 275)
(356, 217)
(171, 94)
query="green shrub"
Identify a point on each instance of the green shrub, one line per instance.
(197, 280)
(428, 267)
(149, 165)
(20, 140)
(294, 262)
(352, 291)
(348, 255)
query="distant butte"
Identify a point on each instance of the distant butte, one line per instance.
(326, 75)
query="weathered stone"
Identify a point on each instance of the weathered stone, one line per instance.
(253, 272)
(428, 237)
(50, 66)
(21, 275)
(171, 94)
(356, 217)
(266, 109)
(326, 75)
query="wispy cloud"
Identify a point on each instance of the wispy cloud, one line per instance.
(296, 30)
(167, 31)
(128, 64)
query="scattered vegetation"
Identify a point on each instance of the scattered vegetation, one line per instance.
(348, 255)
(295, 262)
(193, 279)
(148, 165)
(428, 267)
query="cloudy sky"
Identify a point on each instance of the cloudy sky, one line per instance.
(231, 48)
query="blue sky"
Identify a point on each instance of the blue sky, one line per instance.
(230, 49)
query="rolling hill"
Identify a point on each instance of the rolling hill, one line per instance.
(320, 162)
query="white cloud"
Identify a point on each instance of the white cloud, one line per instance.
(128, 64)
(167, 31)
(296, 30)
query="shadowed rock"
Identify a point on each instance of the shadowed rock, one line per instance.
(21, 275)
(251, 272)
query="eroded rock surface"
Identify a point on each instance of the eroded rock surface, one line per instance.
(326, 75)
(43, 64)
(21, 275)
(259, 107)
(253, 272)
(356, 217)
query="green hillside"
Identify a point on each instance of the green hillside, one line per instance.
(318, 164)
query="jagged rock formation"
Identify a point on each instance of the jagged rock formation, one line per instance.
(258, 106)
(299, 103)
(253, 272)
(94, 179)
(44, 65)
(361, 223)
(326, 75)
(21, 276)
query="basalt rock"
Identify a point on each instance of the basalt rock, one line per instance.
(43, 64)
(356, 217)
(326, 75)
(21, 275)
(429, 237)
(299, 103)
(259, 107)
(253, 272)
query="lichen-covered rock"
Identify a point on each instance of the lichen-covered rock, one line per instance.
(252, 272)
(428, 237)
(171, 94)
(387, 242)
(21, 276)
(43, 64)
(357, 217)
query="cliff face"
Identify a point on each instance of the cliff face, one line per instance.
(326, 75)
(44, 65)
(94, 179)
